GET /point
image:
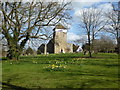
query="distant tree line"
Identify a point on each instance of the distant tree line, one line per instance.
(104, 44)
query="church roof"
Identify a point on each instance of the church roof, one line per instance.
(60, 26)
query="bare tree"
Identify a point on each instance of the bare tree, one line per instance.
(113, 25)
(92, 22)
(23, 21)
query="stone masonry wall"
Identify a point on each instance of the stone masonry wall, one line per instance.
(60, 42)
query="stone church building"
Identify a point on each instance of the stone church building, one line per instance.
(59, 42)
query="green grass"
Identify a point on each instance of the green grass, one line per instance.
(101, 71)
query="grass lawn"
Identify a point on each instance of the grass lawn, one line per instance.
(61, 71)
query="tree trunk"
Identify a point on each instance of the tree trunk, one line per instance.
(13, 53)
(118, 40)
(14, 48)
(90, 55)
(118, 45)
(117, 37)
(93, 42)
(118, 48)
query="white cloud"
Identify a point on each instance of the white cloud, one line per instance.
(105, 7)
(77, 4)
(94, 0)
(87, 0)
(84, 1)
(78, 13)
(72, 36)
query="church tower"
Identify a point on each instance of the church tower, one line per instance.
(59, 42)
(60, 39)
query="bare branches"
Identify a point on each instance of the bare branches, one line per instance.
(113, 25)
(92, 22)
(20, 14)
(22, 21)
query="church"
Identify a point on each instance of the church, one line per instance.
(59, 42)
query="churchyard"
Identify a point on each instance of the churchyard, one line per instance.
(70, 70)
(59, 44)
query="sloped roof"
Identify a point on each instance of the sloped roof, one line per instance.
(60, 26)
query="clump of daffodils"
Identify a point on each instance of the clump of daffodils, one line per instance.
(77, 59)
(35, 62)
(54, 67)
(11, 63)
